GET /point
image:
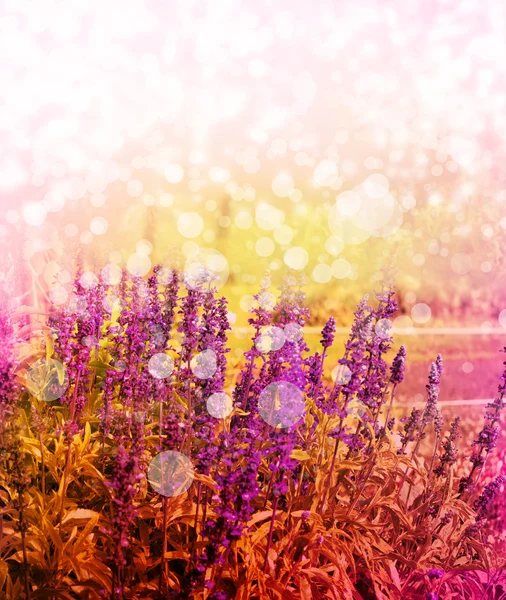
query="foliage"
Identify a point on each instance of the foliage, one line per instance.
(337, 501)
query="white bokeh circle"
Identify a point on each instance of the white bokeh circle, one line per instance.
(205, 268)
(204, 364)
(383, 328)
(47, 379)
(219, 405)
(160, 365)
(281, 404)
(170, 473)
(271, 338)
(341, 374)
(293, 332)
(421, 313)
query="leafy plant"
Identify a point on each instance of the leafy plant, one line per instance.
(304, 487)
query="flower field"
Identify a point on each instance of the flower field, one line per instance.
(140, 458)
(252, 300)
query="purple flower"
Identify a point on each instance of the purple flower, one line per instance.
(123, 484)
(432, 387)
(435, 573)
(445, 519)
(438, 422)
(482, 505)
(491, 490)
(450, 454)
(328, 333)
(236, 483)
(8, 386)
(411, 425)
(398, 366)
(488, 436)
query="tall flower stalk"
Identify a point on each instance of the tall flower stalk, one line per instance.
(273, 506)
(487, 438)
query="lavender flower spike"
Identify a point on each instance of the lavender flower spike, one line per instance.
(328, 333)
(398, 366)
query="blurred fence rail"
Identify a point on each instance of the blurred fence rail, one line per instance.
(405, 330)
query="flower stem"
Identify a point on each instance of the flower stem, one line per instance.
(271, 530)
(331, 471)
(25, 563)
(161, 582)
(42, 467)
(67, 456)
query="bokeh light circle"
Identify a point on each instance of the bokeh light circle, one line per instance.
(160, 365)
(293, 332)
(47, 379)
(174, 173)
(344, 229)
(348, 203)
(355, 408)
(165, 276)
(322, 273)
(120, 365)
(99, 226)
(58, 295)
(375, 212)
(78, 305)
(461, 263)
(296, 258)
(334, 245)
(281, 404)
(219, 405)
(111, 274)
(383, 328)
(204, 364)
(190, 224)
(138, 265)
(325, 173)
(266, 300)
(205, 268)
(421, 313)
(376, 185)
(282, 185)
(88, 280)
(111, 303)
(341, 374)
(170, 473)
(144, 247)
(341, 268)
(271, 338)
(264, 247)
(34, 214)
